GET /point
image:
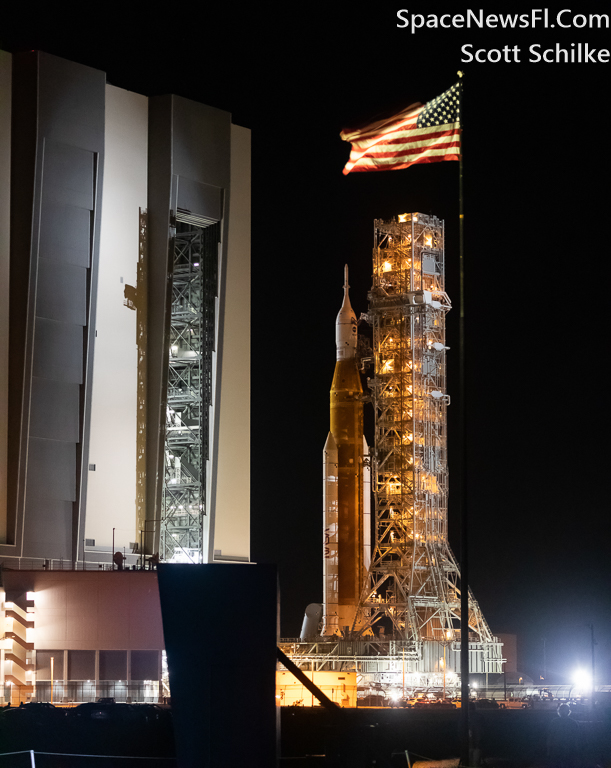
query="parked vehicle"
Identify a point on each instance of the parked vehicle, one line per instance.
(486, 704)
(372, 700)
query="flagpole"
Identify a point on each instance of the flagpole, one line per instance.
(462, 429)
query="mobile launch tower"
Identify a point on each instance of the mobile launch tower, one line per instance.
(413, 579)
(408, 614)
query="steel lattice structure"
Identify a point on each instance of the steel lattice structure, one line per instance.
(413, 579)
(189, 395)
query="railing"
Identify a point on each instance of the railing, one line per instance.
(22, 564)
(82, 691)
(32, 759)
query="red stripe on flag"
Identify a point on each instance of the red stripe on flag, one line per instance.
(421, 137)
(437, 159)
(415, 150)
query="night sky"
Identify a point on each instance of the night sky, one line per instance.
(537, 215)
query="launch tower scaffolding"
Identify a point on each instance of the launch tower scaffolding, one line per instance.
(412, 588)
(413, 580)
(194, 289)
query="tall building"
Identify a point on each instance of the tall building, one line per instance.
(125, 334)
(124, 368)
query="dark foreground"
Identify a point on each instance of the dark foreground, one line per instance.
(501, 737)
(142, 735)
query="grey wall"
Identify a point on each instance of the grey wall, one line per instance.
(6, 66)
(56, 182)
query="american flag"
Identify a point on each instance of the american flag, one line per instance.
(418, 134)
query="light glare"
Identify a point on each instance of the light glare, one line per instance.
(582, 679)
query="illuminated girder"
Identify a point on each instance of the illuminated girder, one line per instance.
(189, 392)
(413, 579)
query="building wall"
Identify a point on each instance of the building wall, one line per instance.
(102, 629)
(71, 412)
(57, 158)
(5, 186)
(340, 687)
(111, 495)
(232, 525)
(91, 610)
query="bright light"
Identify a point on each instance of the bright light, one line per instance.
(582, 679)
(30, 595)
(395, 695)
(403, 217)
(387, 266)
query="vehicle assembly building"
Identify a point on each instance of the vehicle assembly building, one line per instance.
(405, 618)
(124, 361)
(126, 290)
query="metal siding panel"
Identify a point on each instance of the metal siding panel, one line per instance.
(54, 411)
(65, 233)
(59, 349)
(43, 665)
(68, 175)
(58, 127)
(113, 665)
(48, 533)
(201, 142)
(72, 102)
(25, 172)
(145, 665)
(201, 199)
(51, 471)
(61, 292)
(81, 665)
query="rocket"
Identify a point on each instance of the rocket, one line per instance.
(346, 483)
